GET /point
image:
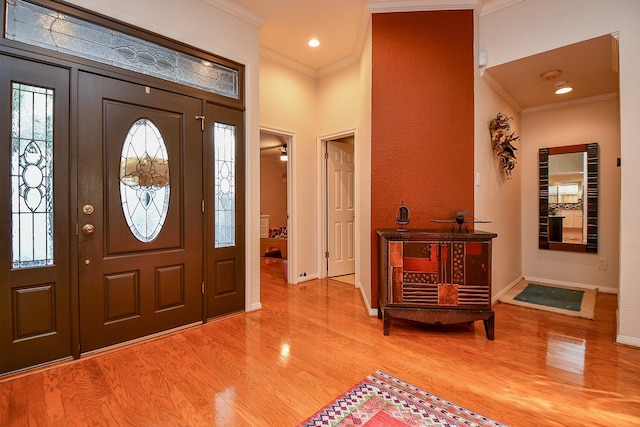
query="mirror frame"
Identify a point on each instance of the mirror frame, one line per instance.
(591, 213)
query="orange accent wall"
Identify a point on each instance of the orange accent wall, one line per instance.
(422, 120)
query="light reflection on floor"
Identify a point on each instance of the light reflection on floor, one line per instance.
(566, 353)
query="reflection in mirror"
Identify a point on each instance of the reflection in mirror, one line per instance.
(566, 184)
(569, 198)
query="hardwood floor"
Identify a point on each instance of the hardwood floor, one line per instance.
(312, 341)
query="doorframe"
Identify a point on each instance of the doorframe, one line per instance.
(322, 201)
(292, 200)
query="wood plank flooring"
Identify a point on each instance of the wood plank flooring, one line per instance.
(312, 341)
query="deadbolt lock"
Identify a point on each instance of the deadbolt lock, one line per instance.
(88, 209)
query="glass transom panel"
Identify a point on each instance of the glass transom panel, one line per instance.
(144, 180)
(49, 29)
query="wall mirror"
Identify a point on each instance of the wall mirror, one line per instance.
(569, 198)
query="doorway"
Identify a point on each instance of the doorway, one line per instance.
(154, 239)
(123, 195)
(276, 157)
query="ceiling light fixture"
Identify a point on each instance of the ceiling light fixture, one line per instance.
(563, 87)
(314, 43)
(283, 154)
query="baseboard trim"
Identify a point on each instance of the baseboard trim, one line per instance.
(621, 339)
(255, 306)
(367, 304)
(494, 298)
(302, 279)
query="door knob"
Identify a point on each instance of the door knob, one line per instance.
(88, 229)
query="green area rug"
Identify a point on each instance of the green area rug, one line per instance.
(557, 299)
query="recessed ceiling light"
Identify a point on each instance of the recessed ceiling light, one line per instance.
(314, 43)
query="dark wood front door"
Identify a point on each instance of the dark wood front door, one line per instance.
(139, 211)
(34, 226)
(225, 211)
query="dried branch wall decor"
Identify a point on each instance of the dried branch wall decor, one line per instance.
(502, 143)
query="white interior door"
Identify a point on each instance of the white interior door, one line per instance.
(340, 209)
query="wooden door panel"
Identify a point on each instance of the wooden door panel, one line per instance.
(224, 260)
(34, 296)
(132, 285)
(118, 237)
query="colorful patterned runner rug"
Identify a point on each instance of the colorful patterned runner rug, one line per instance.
(382, 400)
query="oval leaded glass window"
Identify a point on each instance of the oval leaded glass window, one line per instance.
(144, 180)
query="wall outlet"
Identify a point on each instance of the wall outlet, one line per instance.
(602, 265)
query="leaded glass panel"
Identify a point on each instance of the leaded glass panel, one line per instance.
(225, 185)
(49, 29)
(144, 180)
(32, 236)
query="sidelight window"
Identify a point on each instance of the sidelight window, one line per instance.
(32, 176)
(225, 185)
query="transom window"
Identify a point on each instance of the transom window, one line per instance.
(46, 28)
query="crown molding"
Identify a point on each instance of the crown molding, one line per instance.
(504, 94)
(353, 58)
(287, 62)
(574, 102)
(385, 6)
(491, 6)
(238, 11)
(344, 62)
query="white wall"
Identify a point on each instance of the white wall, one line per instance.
(202, 25)
(531, 27)
(497, 199)
(338, 101)
(576, 124)
(363, 174)
(288, 103)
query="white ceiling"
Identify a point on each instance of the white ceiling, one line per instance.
(340, 25)
(590, 67)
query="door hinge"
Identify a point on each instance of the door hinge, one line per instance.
(201, 118)
(202, 288)
(326, 155)
(203, 206)
(326, 254)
